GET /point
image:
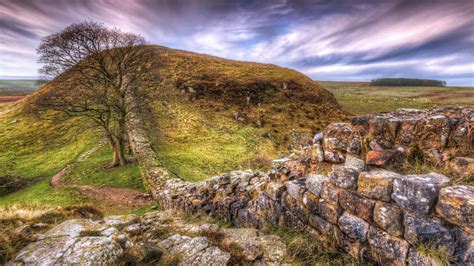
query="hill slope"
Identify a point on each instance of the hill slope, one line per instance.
(209, 115)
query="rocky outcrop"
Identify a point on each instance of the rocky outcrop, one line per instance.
(149, 239)
(377, 214)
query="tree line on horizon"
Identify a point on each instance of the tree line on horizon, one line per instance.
(407, 82)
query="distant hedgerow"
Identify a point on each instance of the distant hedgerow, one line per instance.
(407, 82)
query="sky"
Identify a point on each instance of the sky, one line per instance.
(326, 40)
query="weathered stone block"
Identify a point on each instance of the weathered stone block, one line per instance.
(329, 192)
(387, 249)
(385, 158)
(321, 225)
(418, 192)
(344, 177)
(296, 188)
(314, 183)
(352, 246)
(353, 226)
(275, 190)
(329, 212)
(354, 162)
(389, 217)
(294, 206)
(311, 202)
(456, 205)
(465, 254)
(356, 205)
(428, 231)
(376, 184)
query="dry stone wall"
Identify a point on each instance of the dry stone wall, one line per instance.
(372, 213)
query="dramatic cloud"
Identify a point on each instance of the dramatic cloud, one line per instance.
(327, 40)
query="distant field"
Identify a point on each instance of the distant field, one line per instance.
(360, 98)
(17, 87)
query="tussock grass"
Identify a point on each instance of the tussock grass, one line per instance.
(306, 250)
(431, 251)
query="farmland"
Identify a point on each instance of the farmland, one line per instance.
(359, 98)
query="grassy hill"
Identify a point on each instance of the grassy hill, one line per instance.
(208, 115)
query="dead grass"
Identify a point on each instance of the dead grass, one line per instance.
(20, 224)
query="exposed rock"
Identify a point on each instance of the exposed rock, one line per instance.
(456, 205)
(275, 190)
(387, 249)
(195, 250)
(389, 217)
(78, 241)
(376, 184)
(356, 205)
(418, 192)
(345, 177)
(353, 226)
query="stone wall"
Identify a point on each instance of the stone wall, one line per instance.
(371, 213)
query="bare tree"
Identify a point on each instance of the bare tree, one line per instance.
(95, 70)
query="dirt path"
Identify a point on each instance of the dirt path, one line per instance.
(109, 196)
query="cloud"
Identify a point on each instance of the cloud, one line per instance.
(328, 40)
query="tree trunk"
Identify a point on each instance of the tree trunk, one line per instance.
(117, 145)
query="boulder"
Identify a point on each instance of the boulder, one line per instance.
(376, 184)
(353, 226)
(461, 166)
(77, 241)
(195, 250)
(456, 205)
(356, 205)
(389, 217)
(418, 193)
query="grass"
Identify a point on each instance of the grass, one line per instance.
(431, 251)
(359, 98)
(95, 171)
(306, 250)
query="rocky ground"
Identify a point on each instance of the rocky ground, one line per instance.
(157, 237)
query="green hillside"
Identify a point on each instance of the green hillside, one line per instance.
(208, 115)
